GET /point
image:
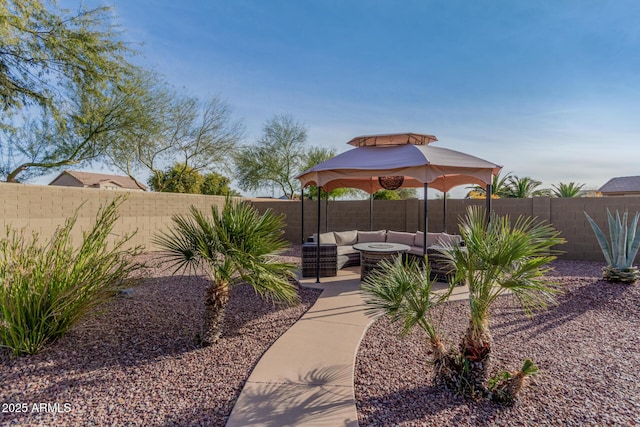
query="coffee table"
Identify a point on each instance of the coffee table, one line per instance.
(372, 253)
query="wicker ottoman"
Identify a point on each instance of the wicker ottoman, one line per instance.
(328, 260)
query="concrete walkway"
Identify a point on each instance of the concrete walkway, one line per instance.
(306, 377)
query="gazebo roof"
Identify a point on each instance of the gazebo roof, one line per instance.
(408, 155)
(392, 139)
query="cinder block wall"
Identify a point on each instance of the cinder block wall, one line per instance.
(567, 215)
(44, 208)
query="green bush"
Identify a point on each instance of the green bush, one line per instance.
(46, 287)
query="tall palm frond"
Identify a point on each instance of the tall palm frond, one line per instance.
(252, 240)
(499, 186)
(500, 257)
(525, 187)
(571, 189)
(182, 244)
(403, 290)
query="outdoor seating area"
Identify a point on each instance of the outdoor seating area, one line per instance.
(390, 162)
(337, 249)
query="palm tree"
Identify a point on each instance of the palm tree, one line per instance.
(234, 246)
(499, 187)
(403, 290)
(499, 257)
(567, 190)
(522, 188)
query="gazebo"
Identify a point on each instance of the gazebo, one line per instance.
(391, 161)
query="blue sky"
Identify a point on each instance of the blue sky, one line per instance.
(548, 89)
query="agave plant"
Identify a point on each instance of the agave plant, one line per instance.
(620, 253)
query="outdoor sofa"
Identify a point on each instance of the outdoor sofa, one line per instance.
(336, 249)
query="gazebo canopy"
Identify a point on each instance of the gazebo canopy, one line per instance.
(407, 159)
(408, 155)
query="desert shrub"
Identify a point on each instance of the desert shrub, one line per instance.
(45, 287)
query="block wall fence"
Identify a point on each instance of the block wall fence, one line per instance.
(42, 208)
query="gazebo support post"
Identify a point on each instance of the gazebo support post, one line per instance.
(425, 221)
(444, 211)
(326, 212)
(302, 214)
(488, 203)
(318, 241)
(371, 212)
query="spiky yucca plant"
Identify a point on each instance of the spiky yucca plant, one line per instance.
(621, 252)
(46, 286)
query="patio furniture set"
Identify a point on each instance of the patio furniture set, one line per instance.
(341, 249)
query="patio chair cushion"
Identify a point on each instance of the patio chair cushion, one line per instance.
(416, 250)
(400, 237)
(433, 239)
(371, 236)
(346, 238)
(342, 261)
(346, 250)
(440, 239)
(328, 238)
(436, 239)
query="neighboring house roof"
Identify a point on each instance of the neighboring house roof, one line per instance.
(89, 179)
(622, 184)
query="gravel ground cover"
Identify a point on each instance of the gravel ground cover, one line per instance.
(137, 363)
(587, 349)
